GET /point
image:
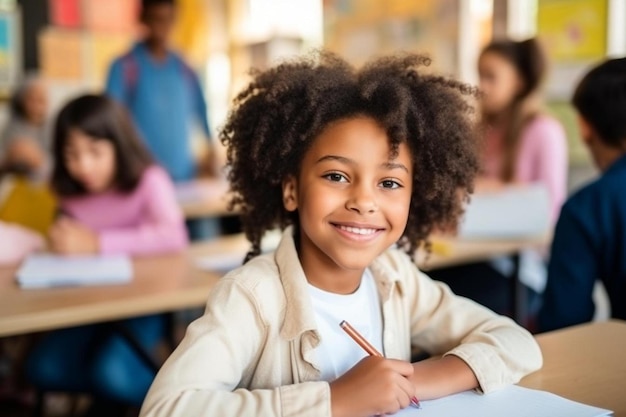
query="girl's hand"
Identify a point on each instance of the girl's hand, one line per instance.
(374, 386)
(69, 237)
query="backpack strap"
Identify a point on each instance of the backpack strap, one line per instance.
(130, 74)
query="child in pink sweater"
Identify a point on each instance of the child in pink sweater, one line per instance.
(114, 199)
(522, 145)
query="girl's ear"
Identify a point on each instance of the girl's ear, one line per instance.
(290, 193)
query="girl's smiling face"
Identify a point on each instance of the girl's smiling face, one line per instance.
(352, 201)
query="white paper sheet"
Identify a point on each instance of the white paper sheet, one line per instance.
(220, 262)
(515, 212)
(513, 401)
(45, 270)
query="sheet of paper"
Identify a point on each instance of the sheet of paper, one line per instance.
(513, 401)
(227, 261)
(220, 262)
(511, 213)
(46, 270)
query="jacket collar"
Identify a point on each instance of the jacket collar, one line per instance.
(299, 315)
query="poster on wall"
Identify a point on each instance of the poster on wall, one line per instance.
(9, 50)
(575, 35)
(573, 30)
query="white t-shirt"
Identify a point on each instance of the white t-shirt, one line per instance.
(338, 352)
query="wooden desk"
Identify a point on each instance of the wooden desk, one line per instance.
(585, 363)
(203, 198)
(160, 284)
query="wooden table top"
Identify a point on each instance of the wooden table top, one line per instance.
(585, 363)
(163, 283)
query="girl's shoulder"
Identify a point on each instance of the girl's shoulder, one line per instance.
(154, 176)
(544, 132)
(544, 124)
(260, 283)
(258, 270)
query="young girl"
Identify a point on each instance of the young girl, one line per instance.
(350, 163)
(114, 199)
(522, 145)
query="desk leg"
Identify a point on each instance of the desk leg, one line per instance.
(519, 296)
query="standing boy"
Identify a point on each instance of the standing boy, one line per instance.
(161, 91)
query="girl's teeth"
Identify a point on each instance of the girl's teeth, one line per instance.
(357, 230)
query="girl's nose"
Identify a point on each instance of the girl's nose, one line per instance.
(362, 200)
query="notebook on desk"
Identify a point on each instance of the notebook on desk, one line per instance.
(513, 401)
(46, 270)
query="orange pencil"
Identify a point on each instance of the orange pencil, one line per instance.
(367, 346)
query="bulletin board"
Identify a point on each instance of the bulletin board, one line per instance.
(361, 29)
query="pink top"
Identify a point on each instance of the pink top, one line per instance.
(145, 221)
(542, 158)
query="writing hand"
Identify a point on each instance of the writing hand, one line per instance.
(69, 237)
(374, 386)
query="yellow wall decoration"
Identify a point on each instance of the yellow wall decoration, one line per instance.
(191, 31)
(573, 30)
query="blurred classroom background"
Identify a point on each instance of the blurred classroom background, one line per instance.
(71, 43)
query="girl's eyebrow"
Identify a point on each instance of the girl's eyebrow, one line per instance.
(395, 165)
(348, 161)
(342, 159)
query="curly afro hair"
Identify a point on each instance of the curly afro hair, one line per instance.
(281, 112)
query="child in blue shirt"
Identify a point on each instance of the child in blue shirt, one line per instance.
(590, 238)
(161, 91)
(165, 98)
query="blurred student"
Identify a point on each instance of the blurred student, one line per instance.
(522, 145)
(23, 142)
(114, 200)
(165, 98)
(590, 238)
(162, 92)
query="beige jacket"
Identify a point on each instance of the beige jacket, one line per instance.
(251, 353)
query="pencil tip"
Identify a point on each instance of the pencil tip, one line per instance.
(415, 403)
